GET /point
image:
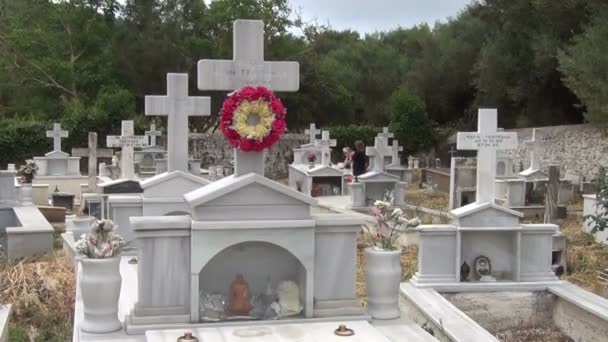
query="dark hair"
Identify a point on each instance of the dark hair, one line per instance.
(359, 145)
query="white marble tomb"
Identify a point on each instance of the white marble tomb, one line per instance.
(519, 254)
(377, 184)
(300, 155)
(57, 162)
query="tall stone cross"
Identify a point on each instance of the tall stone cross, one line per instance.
(248, 68)
(378, 151)
(386, 134)
(57, 133)
(178, 107)
(152, 133)
(127, 141)
(487, 140)
(326, 144)
(312, 133)
(536, 146)
(395, 149)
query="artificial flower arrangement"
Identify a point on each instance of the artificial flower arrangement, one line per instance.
(28, 171)
(102, 242)
(311, 156)
(391, 224)
(253, 119)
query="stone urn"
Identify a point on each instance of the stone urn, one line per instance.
(382, 278)
(79, 225)
(100, 290)
(26, 194)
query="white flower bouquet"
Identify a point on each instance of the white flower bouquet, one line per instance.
(101, 242)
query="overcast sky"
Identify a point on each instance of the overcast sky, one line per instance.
(368, 16)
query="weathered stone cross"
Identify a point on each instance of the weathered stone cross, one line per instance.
(127, 141)
(378, 151)
(395, 149)
(312, 133)
(487, 140)
(57, 133)
(536, 146)
(178, 107)
(248, 68)
(152, 133)
(326, 144)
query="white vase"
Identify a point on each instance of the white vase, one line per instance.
(79, 225)
(100, 289)
(382, 278)
(26, 194)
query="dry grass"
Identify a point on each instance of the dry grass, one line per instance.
(437, 200)
(42, 292)
(409, 266)
(585, 256)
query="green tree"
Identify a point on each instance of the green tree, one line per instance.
(410, 122)
(585, 68)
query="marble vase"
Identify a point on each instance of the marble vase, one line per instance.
(382, 278)
(100, 282)
(26, 194)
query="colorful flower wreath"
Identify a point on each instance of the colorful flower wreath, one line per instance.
(253, 119)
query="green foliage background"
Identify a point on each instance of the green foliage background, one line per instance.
(89, 64)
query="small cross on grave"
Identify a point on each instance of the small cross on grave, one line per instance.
(127, 141)
(452, 151)
(386, 134)
(536, 146)
(177, 106)
(378, 151)
(395, 149)
(487, 140)
(57, 133)
(312, 133)
(248, 68)
(152, 133)
(326, 144)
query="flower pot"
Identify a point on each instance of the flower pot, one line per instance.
(79, 225)
(26, 194)
(100, 289)
(382, 278)
(311, 164)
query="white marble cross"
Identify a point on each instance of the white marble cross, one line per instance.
(312, 133)
(326, 144)
(57, 133)
(487, 140)
(248, 68)
(386, 134)
(152, 133)
(395, 152)
(127, 141)
(379, 151)
(536, 146)
(178, 107)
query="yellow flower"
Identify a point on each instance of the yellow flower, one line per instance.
(253, 119)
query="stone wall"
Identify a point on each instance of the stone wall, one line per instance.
(213, 149)
(579, 149)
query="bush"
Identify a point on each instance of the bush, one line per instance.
(22, 139)
(411, 123)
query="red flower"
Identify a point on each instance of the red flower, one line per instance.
(252, 94)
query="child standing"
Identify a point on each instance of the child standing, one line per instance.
(360, 162)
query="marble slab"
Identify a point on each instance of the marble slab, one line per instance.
(306, 332)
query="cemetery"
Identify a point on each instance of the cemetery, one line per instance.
(214, 204)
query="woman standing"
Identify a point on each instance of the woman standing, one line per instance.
(360, 162)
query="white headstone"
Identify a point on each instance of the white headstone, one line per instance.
(386, 134)
(378, 151)
(248, 68)
(127, 141)
(57, 133)
(326, 144)
(152, 133)
(487, 140)
(177, 106)
(535, 146)
(395, 148)
(312, 133)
